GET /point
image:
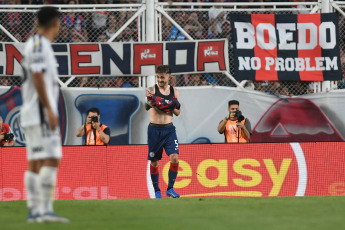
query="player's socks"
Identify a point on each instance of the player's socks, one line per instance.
(154, 177)
(47, 186)
(32, 184)
(172, 174)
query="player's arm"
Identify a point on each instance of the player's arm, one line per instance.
(38, 80)
(177, 111)
(150, 92)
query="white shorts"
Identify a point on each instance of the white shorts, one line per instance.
(42, 143)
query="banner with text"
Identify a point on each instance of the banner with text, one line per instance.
(205, 170)
(299, 47)
(126, 59)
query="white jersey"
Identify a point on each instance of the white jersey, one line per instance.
(38, 57)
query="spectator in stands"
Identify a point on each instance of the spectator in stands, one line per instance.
(226, 30)
(12, 20)
(198, 35)
(76, 23)
(203, 80)
(31, 31)
(126, 35)
(166, 28)
(210, 79)
(275, 87)
(173, 80)
(102, 38)
(193, 25)
(235, 127)
(195, 80)
(185, 79)
(301, 9)
(65, 35)
(6, 139)
(118, 83)
(261, 85)
(99, 22)
(301, 88)
(5, 81)
(223, 80)
(134, 81)
(91, 82)
(95, 133)
(175, 34)
(111, 26)
(216, 17)
(284, 91)
(249, 85)
(83, 82)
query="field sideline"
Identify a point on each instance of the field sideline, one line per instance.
(207, 213)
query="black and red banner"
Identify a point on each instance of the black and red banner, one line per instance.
(300, 47)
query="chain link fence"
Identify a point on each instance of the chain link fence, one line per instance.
(77, 25)
(200, 22)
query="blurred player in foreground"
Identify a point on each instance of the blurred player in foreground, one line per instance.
(162, 103)
(39, 118)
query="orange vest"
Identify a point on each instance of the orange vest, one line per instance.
(5, 129)
(90, 135)
(231, 132)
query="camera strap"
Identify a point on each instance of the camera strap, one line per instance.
(95, 135)
(85, 134)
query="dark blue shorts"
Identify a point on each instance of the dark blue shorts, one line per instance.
(159, 137)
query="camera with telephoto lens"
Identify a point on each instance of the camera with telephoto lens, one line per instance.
(8, 136)
(239, 115)
(94, 119)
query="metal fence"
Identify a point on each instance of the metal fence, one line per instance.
(173, 21)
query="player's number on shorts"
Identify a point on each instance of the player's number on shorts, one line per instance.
(176, 147)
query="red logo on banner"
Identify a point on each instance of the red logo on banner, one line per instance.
(146, 55)
(211, 52)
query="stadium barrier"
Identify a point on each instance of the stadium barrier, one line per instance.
(208, 170)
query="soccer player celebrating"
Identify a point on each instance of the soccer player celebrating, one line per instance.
(39, 117)
(162, 102)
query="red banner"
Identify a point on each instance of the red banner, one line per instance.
(219, 170)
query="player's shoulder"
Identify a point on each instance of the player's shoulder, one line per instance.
(175, 89)
(38, 44)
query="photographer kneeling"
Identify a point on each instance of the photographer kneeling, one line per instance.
(6, 135)
(236, 128)
(96, 132)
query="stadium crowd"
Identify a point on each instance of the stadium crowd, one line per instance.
(100, 26)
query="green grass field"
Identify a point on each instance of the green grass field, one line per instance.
(211, 213)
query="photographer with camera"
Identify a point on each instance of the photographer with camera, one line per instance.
(6, 135)
(96, 132)
(235, 127)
